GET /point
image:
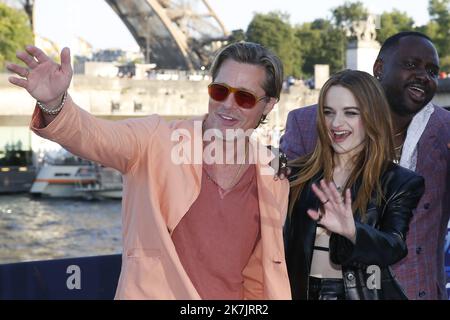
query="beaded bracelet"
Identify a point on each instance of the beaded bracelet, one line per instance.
(52, 111)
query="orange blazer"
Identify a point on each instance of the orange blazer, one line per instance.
(158, 192)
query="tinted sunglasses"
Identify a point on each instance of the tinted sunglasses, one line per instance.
(244, 99)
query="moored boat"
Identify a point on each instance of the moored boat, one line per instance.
(73, 177)
(17, 171)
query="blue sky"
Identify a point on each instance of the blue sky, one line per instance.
(94, 20)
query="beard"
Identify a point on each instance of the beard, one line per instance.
(399, 104)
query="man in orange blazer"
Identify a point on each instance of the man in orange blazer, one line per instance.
(202, 214)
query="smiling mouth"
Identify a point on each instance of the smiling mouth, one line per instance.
(339, 136)
(417, 93)
(227, 118)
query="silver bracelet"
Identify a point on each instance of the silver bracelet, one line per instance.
(52, 111)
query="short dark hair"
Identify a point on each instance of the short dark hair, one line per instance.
(394, 40)
(256, 54)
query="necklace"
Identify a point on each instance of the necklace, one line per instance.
(398, 153)
(233, 181)
(340, 187)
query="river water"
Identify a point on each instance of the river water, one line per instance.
(41, 229)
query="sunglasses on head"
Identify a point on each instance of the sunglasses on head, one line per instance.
(244, 99)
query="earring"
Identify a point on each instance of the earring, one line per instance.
(378, 77)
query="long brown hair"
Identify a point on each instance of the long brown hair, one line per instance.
(378, 146)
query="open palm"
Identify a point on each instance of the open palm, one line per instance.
(336, 214)
(42, 77)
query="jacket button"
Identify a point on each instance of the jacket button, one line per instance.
(418, 250)
(350, 276)
(426, 206)
(422, 294)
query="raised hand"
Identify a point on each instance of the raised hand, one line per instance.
(43, 78)
(337, 215)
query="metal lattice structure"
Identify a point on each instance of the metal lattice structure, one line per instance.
(173, 34)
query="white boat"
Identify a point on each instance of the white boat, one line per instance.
(73, 177)
(108, 185)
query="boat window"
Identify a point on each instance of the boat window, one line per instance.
(62, 174)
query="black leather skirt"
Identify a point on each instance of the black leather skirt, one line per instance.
(326, 289)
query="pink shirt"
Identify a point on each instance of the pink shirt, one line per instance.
(215, 243)
(158, 193)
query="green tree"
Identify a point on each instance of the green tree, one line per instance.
(335, 34)
(311, 41)
(439, 11)
(344, 15)
(236, 36)
(431, 29)
(392, 23)
(15, 33)
(334, 49)
(322, 43)
(274, 31)
(445, 64)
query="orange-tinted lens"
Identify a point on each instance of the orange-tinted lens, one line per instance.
(218, 92)
(245, 99)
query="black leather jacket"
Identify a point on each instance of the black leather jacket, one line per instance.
(380, 239)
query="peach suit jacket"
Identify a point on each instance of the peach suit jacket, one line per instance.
(156, 195)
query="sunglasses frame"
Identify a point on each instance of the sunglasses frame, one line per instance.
(232, 90)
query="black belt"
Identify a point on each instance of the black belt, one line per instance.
(326, 289)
